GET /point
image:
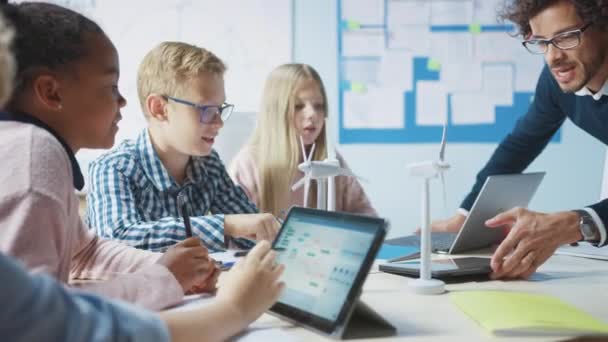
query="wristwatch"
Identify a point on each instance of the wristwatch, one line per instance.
(589, 229)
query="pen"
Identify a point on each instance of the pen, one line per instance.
(183, 209)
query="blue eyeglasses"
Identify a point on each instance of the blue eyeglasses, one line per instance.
(207, 113)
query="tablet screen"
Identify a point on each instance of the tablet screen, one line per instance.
(324, 254)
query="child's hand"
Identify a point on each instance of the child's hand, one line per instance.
(189, 262)
(209, 286)
(253, 226)
(252, 285)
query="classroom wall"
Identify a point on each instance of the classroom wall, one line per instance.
(574, 166)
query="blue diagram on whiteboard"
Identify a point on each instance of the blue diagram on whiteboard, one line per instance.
(404, 65)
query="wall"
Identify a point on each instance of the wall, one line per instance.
(574, 166)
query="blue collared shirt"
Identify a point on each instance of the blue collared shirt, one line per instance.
(132, 198)
(37, 308)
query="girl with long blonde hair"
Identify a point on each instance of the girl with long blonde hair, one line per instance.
(294, 107)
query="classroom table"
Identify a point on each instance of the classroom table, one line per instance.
(578, 281)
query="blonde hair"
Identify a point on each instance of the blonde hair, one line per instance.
(275, 141)
(166, 68)
(7, 61)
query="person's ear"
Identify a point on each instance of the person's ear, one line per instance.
(156, 105)
(46, 91)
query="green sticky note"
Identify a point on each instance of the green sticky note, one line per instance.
(353, 25)
(516, 313)
(475, 28)
(433, 64)
(358, 87)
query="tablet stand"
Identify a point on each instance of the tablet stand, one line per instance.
(364, 322)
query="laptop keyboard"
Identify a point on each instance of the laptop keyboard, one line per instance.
(440, 241)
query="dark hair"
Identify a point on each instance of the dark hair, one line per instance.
(521, 11)
(47, 36)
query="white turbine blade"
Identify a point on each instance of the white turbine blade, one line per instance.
(443, 139)
(346, 172)
(312, 152)
(298, 184)
(304, 156)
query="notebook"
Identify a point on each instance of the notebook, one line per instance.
(523, 314)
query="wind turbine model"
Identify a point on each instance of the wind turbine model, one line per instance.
(320, 170)
(428, 170)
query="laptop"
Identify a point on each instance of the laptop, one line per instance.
(327, 256)
(498, 194)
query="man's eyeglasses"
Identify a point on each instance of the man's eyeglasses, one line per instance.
(207, 113)
(563, 41)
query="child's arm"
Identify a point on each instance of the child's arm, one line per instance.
(37, 308)
(251, 288)
(113, 212)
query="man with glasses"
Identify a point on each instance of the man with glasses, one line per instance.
(134, 188)
(572, 35)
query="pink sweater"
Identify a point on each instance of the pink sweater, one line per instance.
(350, 196)
(40, 225)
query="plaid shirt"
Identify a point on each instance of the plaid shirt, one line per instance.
(132, 198)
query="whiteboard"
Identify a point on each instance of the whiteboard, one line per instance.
(251, 36)
(407, 66)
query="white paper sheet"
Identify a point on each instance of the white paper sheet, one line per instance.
(451, 12)
(431, 103)
(471, 108)
(452, 47)
(415, 39)
(498, 84)
(363, 71)
(366, 12)
(408, 13)
(363, 42)
(376, 108)
(461, 76)
(396, 70)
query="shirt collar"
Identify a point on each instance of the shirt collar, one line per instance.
(156, 171)
(77, 177)
(585, 91)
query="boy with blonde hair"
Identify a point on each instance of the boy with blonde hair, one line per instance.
(135, 187)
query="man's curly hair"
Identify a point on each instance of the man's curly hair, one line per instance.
(521, 11)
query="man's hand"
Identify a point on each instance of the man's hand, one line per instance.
(533, 237)
(252, 226)
(449, 225)
(189, 262)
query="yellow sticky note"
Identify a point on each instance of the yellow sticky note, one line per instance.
(433, 64)
(353, 25)
(475, 28)
(510, 313)
(358, 87)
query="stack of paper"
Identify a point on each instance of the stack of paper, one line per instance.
(515, 313)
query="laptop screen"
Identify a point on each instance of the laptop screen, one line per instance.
(324, 254)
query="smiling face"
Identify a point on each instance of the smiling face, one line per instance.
(309, 111)
(90, 100)
(578, 67)
(184, 131)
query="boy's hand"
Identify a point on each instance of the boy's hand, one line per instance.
(252, 285)
(189, 262)
(252, 226)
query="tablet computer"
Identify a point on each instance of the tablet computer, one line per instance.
(327, 256)
(441, 268)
